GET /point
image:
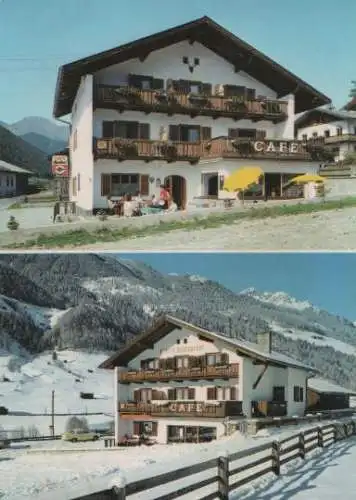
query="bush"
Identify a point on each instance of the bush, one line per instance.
(77, 424)
(12, 224)
(33, 431)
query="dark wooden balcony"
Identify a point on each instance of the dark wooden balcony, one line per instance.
(183, 409)
(199, 373)
(269, 408)
(150, 101)
(221, 147)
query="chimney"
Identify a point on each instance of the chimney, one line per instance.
(264, 341)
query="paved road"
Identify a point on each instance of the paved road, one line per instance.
(331, 230)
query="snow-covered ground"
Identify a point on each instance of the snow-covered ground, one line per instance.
(64, 475)
(31, 381)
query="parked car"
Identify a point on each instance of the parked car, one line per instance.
(75, 436)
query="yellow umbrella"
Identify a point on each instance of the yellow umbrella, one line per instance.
(241, 179)
(304, 179)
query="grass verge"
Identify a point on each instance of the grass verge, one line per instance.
(80, 237)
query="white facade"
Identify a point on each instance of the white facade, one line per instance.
(167, 64)
(334, 129)
(185, 342)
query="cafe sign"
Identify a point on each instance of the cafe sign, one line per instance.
(186, 407)
(283, 147)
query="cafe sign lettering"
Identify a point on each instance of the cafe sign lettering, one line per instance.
(277, 147)
(186, 407)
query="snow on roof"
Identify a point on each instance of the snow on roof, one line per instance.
(8, 167)
(323, 385)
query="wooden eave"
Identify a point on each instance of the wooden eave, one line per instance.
(167, 324)
(207, 32)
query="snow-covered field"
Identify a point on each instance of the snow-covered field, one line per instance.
(31, 381)
(64, 475)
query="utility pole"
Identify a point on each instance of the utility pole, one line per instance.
(52, 416)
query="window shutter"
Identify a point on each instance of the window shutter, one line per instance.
(144, 131)
(136, 428)
(191, 393)
(135, 81)
(157, 84)
(224, 358)
(233, 393)
(211, 393)
(144, 185)
(154, 428)
(120, 130)
(206, 133)
(174, 133)
(108, 130)
(172, 394)
(162, 364)
(260, 135)
(206, 89)
(105, 184)
(233, 133)
(155, 394)
(137, 395)
(295, 393)
(250, 94)
(301, 394)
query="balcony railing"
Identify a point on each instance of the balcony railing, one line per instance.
(129, 98)
(336, 139)
(200, 373)
(221, 147)
(191, 409)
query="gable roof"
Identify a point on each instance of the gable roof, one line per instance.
(206, 32)
(331, 114)
(14, 169)
(322, 385)
(167, 324)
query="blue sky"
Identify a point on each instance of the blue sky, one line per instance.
(313, 39)
(326, 280)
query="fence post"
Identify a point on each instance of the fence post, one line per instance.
(320, 437)
(302, 445)
(335, 429)
(353, 423)
(276, 458)
(118, 487)
(223, 476)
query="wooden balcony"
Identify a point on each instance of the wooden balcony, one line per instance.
(221, 147)
(338, 139)
(153, 101)
(269, 408)
(200, 373)
(183, 409)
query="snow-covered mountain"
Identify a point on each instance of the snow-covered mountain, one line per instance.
(92, 304)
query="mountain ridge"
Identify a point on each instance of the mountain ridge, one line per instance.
(98, 302)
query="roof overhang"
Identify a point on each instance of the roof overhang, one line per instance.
(207, 32)
(328, 115)
(167, 324)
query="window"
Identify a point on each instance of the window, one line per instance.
(185, 341)
(304, 137)
(184, 393)
(125, 130)
(182, 362)
(124, 183)
(279, 394)
(217, 359)
(339, 131)
(315, 135)
(226, 393)
(178, 341)
(298, 394)
(211, 394)
(150, 364)
(145, 84)
(196, 61)
(327, 133)
(194, 88)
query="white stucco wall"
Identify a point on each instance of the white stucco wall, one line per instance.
(82, 163)
(296, 378)
(194, 174)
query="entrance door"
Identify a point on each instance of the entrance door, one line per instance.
(213, 185)
(273, 185)
(177, 186)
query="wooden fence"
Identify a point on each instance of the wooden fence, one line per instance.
(228, 473)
